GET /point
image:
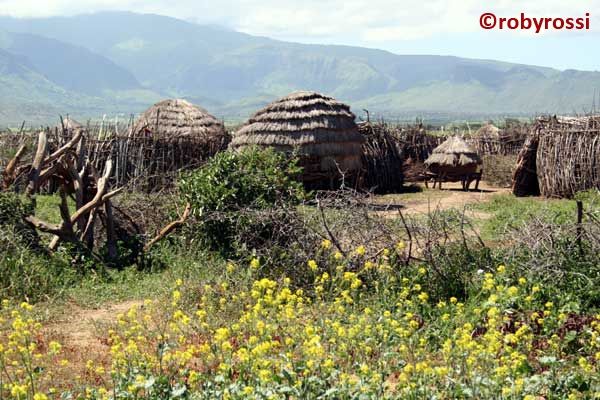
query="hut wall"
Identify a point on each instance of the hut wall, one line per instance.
(503, 145)
(568, 161)
(417, 145)
(151, 163)
(382, 159)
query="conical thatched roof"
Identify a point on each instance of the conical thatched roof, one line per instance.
(454, 152)
(488, 130)
(177, 118)
(314, 124)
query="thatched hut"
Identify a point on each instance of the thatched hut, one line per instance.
(560, 158)
(321, 130)
(176, 119)
(453, 157)
(171, 135)
(489, 130)
(454, 160)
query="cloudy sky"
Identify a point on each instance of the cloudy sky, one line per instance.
(449, 27)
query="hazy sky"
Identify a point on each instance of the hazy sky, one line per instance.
(449, 27)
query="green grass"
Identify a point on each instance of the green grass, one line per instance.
(510, 212)
(47, 208)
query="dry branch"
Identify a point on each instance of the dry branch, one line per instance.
(38, 160)
(8, 175)
(68, 146)
(170, 228)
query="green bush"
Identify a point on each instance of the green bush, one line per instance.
(12, 216)
(30, 274)
(233, 184)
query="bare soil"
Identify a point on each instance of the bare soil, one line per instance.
(450, 196)
(83, 335)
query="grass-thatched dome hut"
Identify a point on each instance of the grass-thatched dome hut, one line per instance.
(171, 135)
(321, 130)
(488, 131)
(454, 156)
(178, 118)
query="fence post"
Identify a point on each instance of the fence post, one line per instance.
(579, 227)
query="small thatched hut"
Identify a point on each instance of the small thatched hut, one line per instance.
(176, 119)
(171, 135)
(560, 158)
(489, 130)
(320, 129)
(454, 160)
(453, 157)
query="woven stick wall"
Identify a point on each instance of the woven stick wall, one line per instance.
(493, 141)
(147, 160)
(564, 154)
(505, 143)
(417, 144)
(568, 161)
(382, 159)
(388, 145)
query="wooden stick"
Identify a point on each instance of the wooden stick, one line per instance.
(169, 228)
(8, 175)
(98, 198)
(111, 237)
(38, 159)
(68, 146)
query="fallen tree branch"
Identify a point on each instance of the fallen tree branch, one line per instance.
(169, 228)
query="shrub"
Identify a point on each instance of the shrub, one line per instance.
(234, 182)
(29, 274)
(12, 216)
(552, 254)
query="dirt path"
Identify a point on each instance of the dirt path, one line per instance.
(80, 327)
(451, 196)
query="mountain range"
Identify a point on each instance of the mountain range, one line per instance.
(121, 62)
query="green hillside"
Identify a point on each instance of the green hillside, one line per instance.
(124, 61)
